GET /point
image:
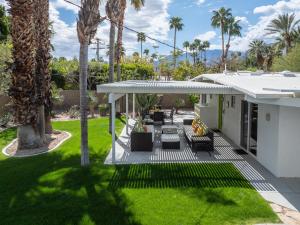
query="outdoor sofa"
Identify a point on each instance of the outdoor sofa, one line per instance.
(142, 141)
(196, 142)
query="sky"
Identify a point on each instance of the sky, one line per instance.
(153, 19)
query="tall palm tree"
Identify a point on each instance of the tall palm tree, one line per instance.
(193, 48)
(233, 29)
(88, 21)
(141, 37)
(206, 46)
(197, 44)
(176, 24)
(113, 12)
(284, 26)
(219, 20)
(186, 45)
(23, 86)
(256, 49)
(137, 4)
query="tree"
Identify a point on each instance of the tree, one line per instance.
(113, 11)
(4, 24)
(141, 37)
(232, 29)
(177, 25)
(219, 20)
(289, 62)
(23, 85)
(88, 21)
(146, 52)
(197, 44)
(256, 50)
(284, 26)
(186, 45)
(137, 4)
(206, 45)
(193, 48)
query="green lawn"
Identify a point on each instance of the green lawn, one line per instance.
(53, 188)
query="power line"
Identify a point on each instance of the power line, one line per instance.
(132, 30)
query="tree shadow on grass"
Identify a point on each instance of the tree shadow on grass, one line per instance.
(199, 175)
(49, 189)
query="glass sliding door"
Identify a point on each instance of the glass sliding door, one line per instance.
(249, 127)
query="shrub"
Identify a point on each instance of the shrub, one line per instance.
(289, 62)
(74, 112)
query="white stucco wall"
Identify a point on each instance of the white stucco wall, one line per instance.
(209, 113)
(289, 142)
(267, 137)
(231, 126)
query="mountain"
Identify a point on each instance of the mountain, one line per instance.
(212, 56)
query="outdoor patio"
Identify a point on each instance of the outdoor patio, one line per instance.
(281, 191)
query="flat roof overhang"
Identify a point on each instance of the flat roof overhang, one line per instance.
(165, 87)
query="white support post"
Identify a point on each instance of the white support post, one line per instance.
(133, 106)
(249, 126)
(127, 117)
(113, 134)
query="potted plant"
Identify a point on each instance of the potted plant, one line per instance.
(179, 103)
(146, 102)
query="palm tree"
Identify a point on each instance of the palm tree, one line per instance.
(177, 25)
(206, 46)
(219, 20)
(137, 4)
(141, 37)
(233, 29)
(88, 21)
(284, 26)
(193, 48)
(186, 45)
(153, 57)
(146, 52)
(113, 12)
(257, 50)
(197, 44)
(23, 85)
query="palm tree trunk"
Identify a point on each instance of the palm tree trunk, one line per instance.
(141, 49)
(84, 104)
(186, 55)
(119, 45)
(111, 65)
(174, 52)
(227, 47)
(223, 46)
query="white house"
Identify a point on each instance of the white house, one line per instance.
(263, 119)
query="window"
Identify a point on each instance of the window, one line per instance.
(203, 99)
(232, 101)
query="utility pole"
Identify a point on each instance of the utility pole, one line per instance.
(99, 46)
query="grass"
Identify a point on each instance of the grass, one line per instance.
(53, 188)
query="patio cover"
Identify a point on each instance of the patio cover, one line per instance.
(165, 87)
(119, 89)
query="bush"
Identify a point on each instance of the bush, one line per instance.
(5, 115)
(74, 112)
(187, 71)
(289, 62)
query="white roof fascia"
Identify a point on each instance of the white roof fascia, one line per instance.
(275, 95)
(289, 102)
(158, 87)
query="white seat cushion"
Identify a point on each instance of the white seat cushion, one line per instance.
(170, 138)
